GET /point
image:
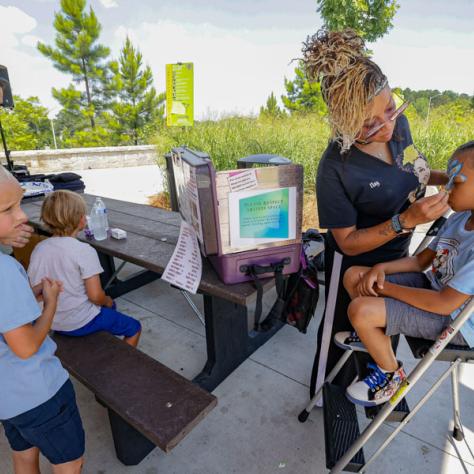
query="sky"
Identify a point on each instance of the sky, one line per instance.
(241, 49)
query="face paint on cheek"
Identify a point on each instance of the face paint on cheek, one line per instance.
(454, 171)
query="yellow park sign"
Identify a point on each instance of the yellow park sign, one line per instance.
(180, 95)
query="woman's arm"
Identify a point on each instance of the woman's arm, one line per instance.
(95, 293)
(26, 340)
(353, 241)
(440, 302)
(438, 178)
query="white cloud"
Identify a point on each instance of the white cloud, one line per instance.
(109, 3)
(235, 69)
(30, 40)
(30, 73)
(428, 59)
(14, 22)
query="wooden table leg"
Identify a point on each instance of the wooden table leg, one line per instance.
(228, 340)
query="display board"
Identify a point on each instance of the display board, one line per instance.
(180, 95)
(259, 207)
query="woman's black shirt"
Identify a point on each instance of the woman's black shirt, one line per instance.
(359, 189)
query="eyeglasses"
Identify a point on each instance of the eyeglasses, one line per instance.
(373, 130)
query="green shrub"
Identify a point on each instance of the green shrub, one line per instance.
(303, 138)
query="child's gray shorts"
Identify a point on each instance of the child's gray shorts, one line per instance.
(403, 318)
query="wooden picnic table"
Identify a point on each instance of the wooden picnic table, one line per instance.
(152, 234)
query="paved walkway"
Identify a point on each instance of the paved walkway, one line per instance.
(115, 182)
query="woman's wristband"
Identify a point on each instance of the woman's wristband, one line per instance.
(407, 227)
(399, 225)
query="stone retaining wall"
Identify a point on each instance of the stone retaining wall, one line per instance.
(52, 161)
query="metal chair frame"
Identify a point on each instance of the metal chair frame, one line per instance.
(435, 352)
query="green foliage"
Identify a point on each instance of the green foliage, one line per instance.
(78, 53)
(27, 126)
(369, 18)
(98, 136)
(137, 106)
(426, 99)
(271, 108)
(449, 126)
(302, 95)
(303, 138)
(300, 138)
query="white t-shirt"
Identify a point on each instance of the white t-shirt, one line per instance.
(70, 261)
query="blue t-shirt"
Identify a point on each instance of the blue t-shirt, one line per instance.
(453, 265)
(358, 189)
(24, 384)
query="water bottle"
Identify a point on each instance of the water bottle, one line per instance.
(97, 222)
(101, 206)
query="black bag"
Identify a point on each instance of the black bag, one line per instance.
(302, 291)
(69, 181)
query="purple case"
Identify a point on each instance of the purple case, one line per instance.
(231, 267)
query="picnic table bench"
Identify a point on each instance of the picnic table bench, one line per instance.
(148, 404)
(152, 234)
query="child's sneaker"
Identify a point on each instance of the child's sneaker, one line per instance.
(377, 388)
(348, 340)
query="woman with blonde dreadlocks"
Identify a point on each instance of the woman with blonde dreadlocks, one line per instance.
(370, 184)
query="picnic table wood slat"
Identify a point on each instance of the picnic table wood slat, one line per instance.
(130, 208)
(132, 224)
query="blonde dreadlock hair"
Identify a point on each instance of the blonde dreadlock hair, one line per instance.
(349, 80)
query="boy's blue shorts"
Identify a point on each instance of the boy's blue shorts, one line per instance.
(109, 320)
(54, 427)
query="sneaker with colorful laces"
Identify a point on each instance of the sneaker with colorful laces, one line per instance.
(349, 341)
(377, 388)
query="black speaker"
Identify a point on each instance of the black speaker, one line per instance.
(7, 100)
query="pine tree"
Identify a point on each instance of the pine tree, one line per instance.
(271, 108)
(78, 53)
(370, 18)
(302, 95)
(137, 106)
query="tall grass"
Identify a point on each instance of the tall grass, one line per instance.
(303, 138)
(448, 128)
